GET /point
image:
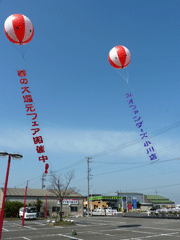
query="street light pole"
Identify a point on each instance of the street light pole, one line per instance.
(5, 185)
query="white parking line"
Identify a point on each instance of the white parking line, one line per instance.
(37, 229)
(168, 234)
(167, 229)
(57, 227)
(40, 223)
(69, 237)
(143, 232)
(19, 237)
(95, 232)
(30, 227)
(77, 224)
(17, 224)
(5, 230)
(152, 236)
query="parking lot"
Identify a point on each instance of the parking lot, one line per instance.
(92, 228)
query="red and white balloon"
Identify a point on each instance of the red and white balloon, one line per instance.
(18, 29)
(119, 57)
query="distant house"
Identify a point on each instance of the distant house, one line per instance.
(73, 204)
(114, 201)
(126, 199)
(158, 200)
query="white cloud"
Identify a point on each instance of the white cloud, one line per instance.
(84, 142)
(72, 141)
(11, 138)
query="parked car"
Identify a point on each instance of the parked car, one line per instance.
(163, 210)
(98, 211)
(30, 212)
(154, 209)
(110, 211)
(177, 208)
(173, 209)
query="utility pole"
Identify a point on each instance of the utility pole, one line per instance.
(88, 161)
(117, 199)
(43, 180)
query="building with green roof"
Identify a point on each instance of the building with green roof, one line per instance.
(158, 200)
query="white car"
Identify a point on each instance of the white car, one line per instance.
(163, 210)
(177, 208)
(110, 211)
(30, 212)
(98, 211)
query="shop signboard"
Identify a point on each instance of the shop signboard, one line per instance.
(135, 203)
(69, 201)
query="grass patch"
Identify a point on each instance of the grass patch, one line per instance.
(60, 223)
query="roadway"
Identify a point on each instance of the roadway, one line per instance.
(95, 228)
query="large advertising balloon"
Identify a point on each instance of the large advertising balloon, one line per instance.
(119, 57)
(18, 29)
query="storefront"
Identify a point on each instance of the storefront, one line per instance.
(72, 204)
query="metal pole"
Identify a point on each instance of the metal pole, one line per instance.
(122, 205)
(46, 208)
(88, 158)
(43, 179)
(88, 187)
(91, 201)
(117, 199)
(4, 195)
(24, 206)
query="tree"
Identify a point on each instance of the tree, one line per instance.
(38, 204)
(60, 187)
(138, 204)
(11, 209)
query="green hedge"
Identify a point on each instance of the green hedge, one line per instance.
(11, 209)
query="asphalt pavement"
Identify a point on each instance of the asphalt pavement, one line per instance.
(93, 228)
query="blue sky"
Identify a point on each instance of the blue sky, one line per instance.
(80, 99)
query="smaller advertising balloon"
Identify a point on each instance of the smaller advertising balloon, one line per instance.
(18, 29)
(119, 57)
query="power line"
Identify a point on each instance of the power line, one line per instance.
(177, 184)
(138, 140)
(35, 182)
(117, 148)
(144, 165)
(125, 169)
(147, 176)
(72, 165)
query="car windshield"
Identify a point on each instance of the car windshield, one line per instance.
(31, 210)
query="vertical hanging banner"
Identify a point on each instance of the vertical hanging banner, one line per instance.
(19, 30)
(139, 124)
(31, 112)
(120, 57)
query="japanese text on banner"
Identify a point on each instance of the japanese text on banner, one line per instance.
(139, 124)
(31, 111)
